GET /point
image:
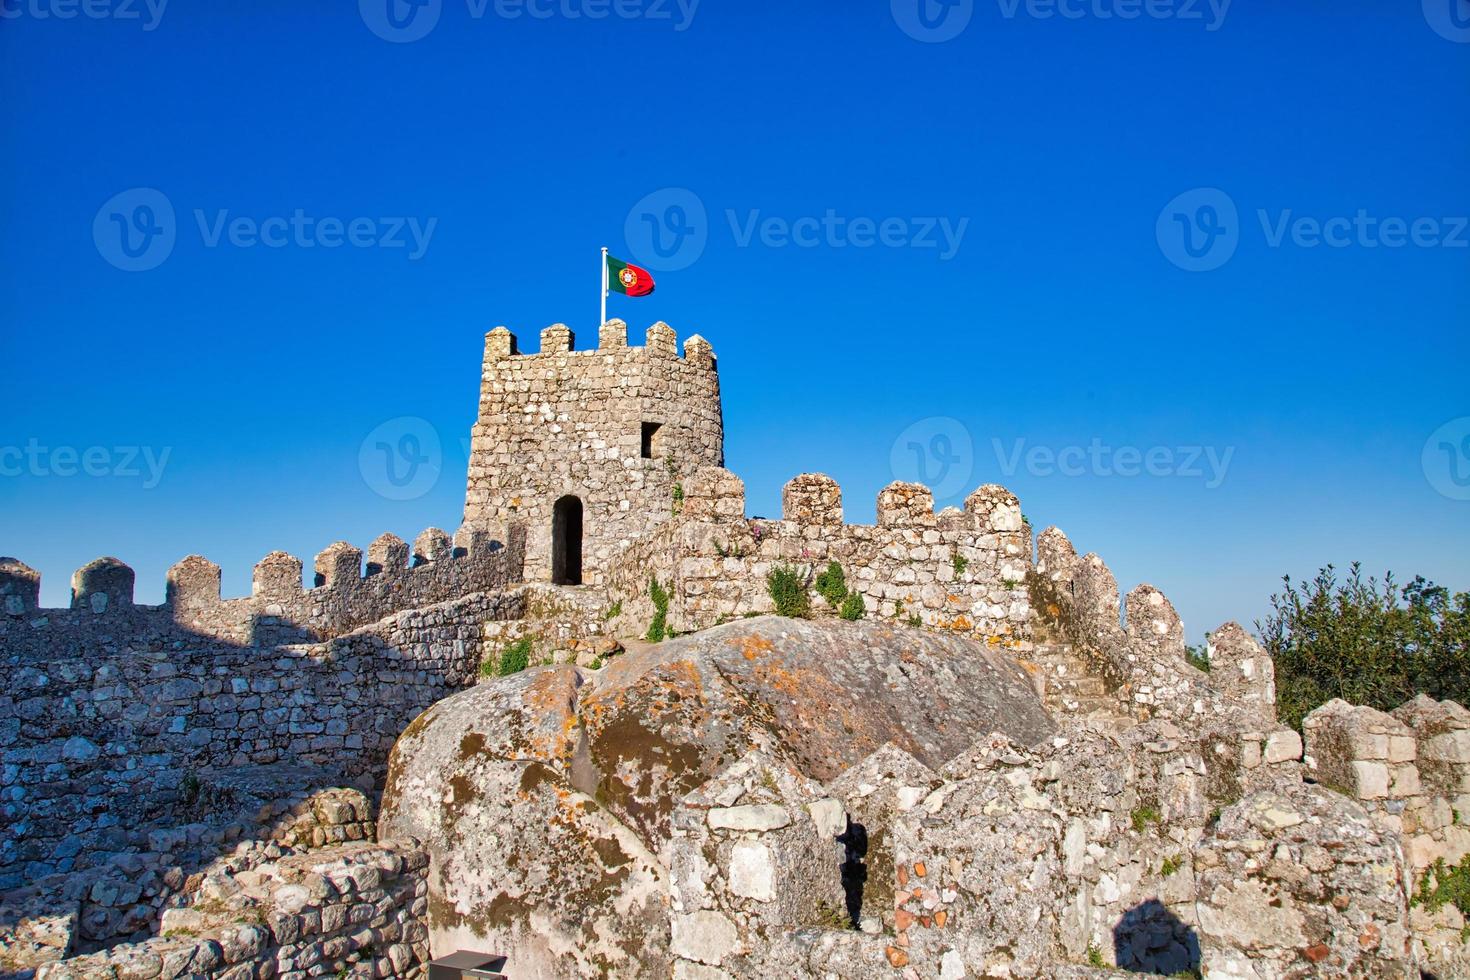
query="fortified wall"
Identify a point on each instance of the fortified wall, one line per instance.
(962, 571)
(117, 717)
(588, 447)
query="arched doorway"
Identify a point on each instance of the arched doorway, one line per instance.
(566, 541)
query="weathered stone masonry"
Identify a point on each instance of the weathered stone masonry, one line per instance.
(110, 708)
(615, 429)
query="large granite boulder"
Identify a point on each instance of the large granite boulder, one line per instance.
(545, 798)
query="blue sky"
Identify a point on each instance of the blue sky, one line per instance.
(224, 392)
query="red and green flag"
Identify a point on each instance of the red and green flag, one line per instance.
(628, 279)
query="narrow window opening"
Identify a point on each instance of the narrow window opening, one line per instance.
(566, 542)
(652, 440)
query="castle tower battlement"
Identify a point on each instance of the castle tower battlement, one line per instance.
(590, 448)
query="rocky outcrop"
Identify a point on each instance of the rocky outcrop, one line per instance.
(547, 799)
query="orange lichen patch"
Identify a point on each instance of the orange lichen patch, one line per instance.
(919, 869)
(751, 646)
(1028, 666)
(897, 958)
(1052, 609)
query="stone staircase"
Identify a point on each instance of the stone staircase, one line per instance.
(1070, 689)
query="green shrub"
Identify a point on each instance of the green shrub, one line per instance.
(613, 611)
(1095, 956)
(1366, 642)
(515, 658)
(1170, 866)
(787, 588)
(916, 620)
(853, 607)
(658, 629)
(960, 564)
(832, 585)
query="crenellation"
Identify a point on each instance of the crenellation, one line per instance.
(338, 564)
(470, 540)
(903, 504)
(995, 508)
(388, 554)
(20, 587)
(102, 585)
(276, 576)
(698, 353)
(192, 582)
(431, 545)
(612, 335)
(1153, 624)
(812, 498)
(661, 341)
(500, 343)
(557, 339)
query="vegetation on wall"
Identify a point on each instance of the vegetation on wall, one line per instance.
(1367, 642)
(787, 587)
(659, 628)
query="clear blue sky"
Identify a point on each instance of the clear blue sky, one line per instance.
(1050, 147)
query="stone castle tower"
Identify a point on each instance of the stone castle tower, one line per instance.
(589, 447)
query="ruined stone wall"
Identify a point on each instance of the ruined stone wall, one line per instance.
(279, 610)
(350, 909)
(1137, 645)
(567, 422)
(958, 570)
(105, 733)
(1411, 770)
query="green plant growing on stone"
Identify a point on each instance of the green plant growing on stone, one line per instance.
(1011, 583)
(832, 585)
(1171, 864)
(1199, 657)
(960, 563)
(1143, 816)
(678, 495)
(659, 628)
(1441, 885)
(853, 607)
(613, 611)
(1095, 956)
(828, 917)
(189, 788)
(915, 620)
(768, 781)
(787, 587)
(515, 658)
(596, 663)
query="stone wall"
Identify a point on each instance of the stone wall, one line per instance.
(107, 731)
(278, 610)
(958, 570)
(350, 909)
(567, 422)
(1411, 770)
(1141, 656)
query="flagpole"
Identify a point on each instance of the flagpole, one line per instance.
(604, 290)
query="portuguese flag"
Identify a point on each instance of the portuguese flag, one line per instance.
(627, 279)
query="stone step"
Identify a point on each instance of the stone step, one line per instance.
(1078, 685)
